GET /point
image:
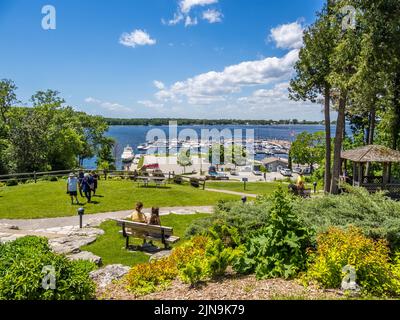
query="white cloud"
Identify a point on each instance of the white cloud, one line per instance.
(214, 85)
(187, 5)
(150, 104)
(159, 85)
(212, 16)
(109, 106)
(288, 36)
(136, 38)
(190, 22)
(178, 17)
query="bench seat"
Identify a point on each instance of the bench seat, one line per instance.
(147, 232)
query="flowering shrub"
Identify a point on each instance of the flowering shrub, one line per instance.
(370, 259)
(157, 275)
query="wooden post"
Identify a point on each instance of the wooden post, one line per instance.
(360, 174)
(34, 176)
(386, 176)
(354, 173)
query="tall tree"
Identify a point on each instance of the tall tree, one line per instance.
(312, 71)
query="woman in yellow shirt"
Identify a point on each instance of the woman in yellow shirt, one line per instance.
(139, 216)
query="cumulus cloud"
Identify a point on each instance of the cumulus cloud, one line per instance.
(159, 85)
(190, 21)
(287, 36)
(136, 38)
(109, 106)
(214, 85)
(150, 104)
(212, 16)
(185, 7)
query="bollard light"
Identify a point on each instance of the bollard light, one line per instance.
(315, 187)
(244, 200)
(81, 212)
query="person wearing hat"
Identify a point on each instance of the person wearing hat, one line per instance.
(72, 188)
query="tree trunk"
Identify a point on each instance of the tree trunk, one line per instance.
(341, 122)
(328, 151)
(371, 133)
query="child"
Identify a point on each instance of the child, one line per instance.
(72, 188)
(155, 217)
(155, 220)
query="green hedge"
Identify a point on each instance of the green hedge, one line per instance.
(23, 266)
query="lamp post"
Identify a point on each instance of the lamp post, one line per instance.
(81, 212)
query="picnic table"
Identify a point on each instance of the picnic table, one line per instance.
(146, 181)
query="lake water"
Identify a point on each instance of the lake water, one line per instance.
(136, 135)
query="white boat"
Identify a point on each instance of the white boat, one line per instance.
(127, 155)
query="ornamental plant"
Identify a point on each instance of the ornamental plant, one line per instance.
(22, 269)
(339, 248)
(279, 249)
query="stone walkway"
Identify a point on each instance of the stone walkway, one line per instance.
(249, 195)
(92, 220)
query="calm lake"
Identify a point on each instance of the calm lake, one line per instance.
(136, 135)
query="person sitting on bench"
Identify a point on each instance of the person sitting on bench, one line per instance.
(155, 220)
(139, 216)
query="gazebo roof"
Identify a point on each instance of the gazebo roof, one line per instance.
(372, 153)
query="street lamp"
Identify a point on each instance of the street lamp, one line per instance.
(81, 212)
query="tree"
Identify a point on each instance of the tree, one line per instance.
(308, 149)
(184, 159)
(312, 71)
(105, 158)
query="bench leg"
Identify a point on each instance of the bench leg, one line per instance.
(127, 243)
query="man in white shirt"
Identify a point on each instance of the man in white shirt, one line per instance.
(72, 188)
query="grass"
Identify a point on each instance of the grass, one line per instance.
(49, 199)
(111, 246)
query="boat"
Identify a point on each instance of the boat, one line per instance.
(127, 155)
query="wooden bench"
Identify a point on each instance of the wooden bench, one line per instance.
(148, 232)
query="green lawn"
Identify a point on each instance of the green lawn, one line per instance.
(111, 246)
(49, 199)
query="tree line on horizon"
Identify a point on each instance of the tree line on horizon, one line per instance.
(351, 58)
(204, 122)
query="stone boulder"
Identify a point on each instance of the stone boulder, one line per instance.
(85, 255)
(105, 276)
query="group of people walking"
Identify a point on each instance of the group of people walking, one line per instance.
(85, 183)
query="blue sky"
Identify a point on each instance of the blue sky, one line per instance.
(160, 58)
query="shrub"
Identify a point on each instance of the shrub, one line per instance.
(194, 271)
(338, 248)
(246, 218)
(12, 183)
(22, 264)
(157, 275)
(376, 215)
(278, 250)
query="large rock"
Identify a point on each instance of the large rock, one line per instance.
(160, 255)
(70, 244)
(105, 276)
(85, 255)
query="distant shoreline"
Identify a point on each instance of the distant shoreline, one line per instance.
(197, 122)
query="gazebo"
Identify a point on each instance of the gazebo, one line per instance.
(360, 157)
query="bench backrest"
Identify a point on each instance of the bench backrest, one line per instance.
(137, 226)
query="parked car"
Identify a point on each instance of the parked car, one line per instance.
(234, 173)
(307, 171)
(286, 172)
(297, 170)
(257, 172)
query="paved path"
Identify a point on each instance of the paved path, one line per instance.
(91, 219)
(249, 195)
